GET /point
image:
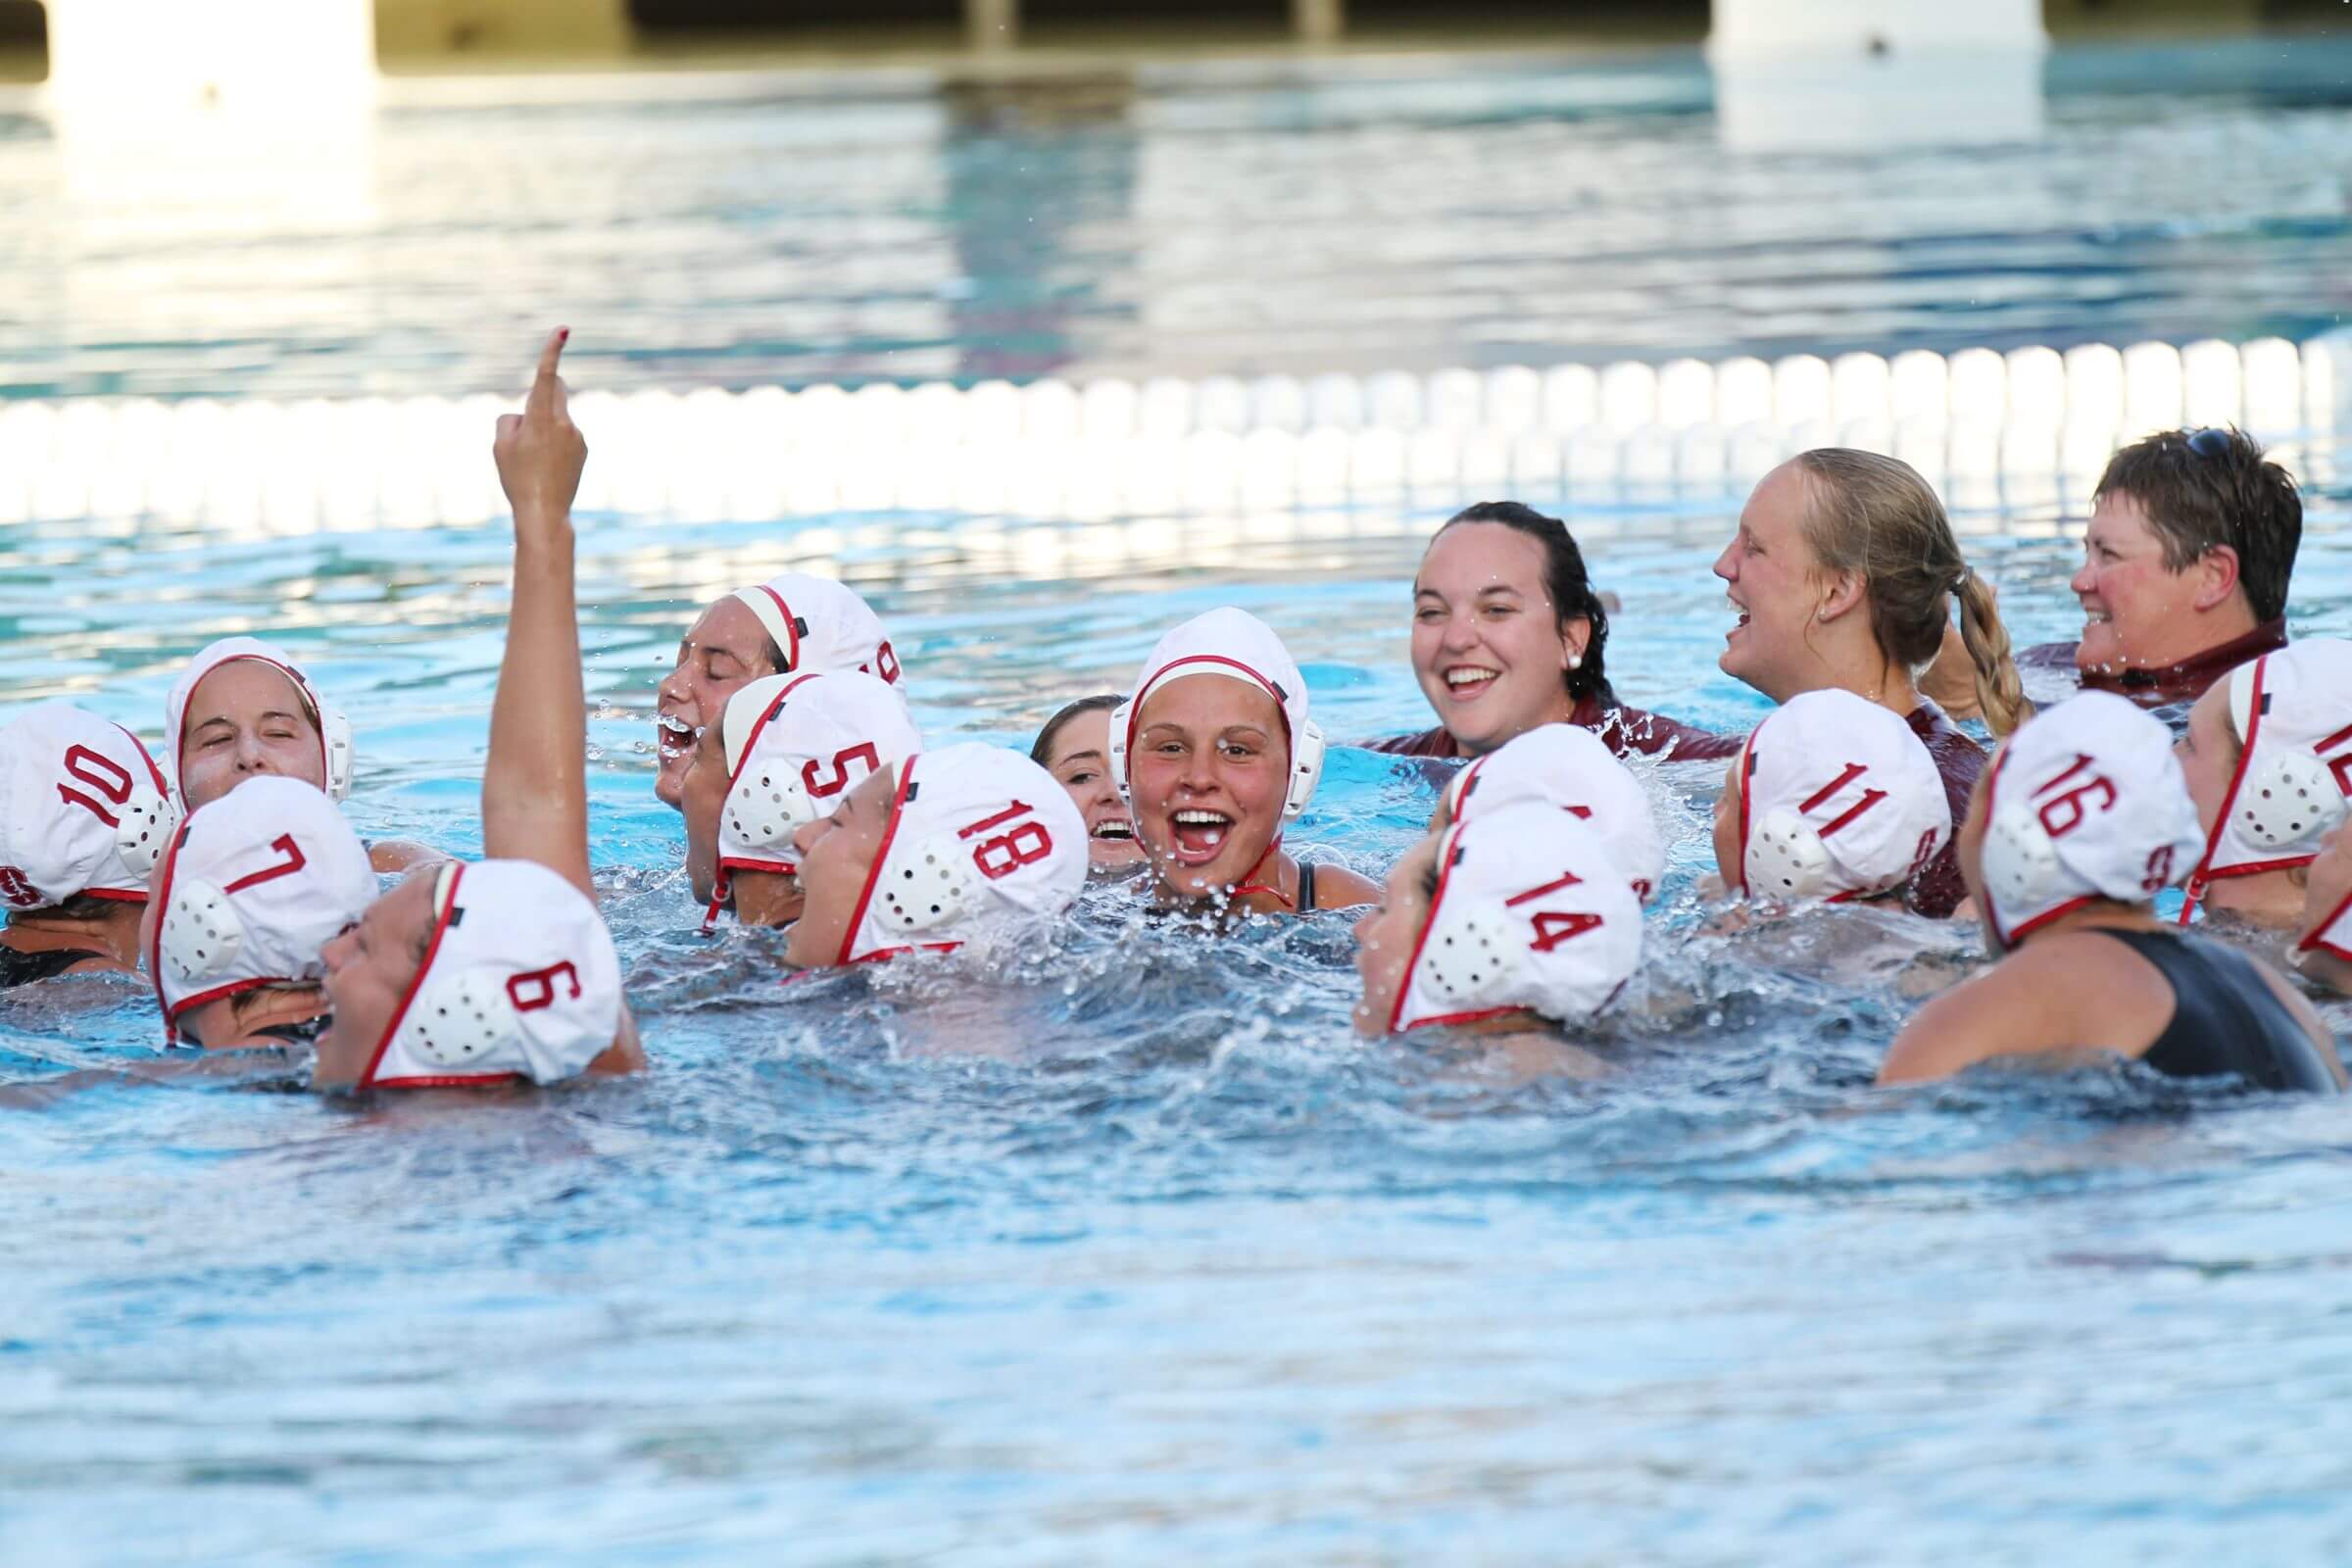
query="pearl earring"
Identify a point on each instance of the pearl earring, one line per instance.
(1576, 661)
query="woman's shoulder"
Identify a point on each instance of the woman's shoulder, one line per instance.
(1337, 888)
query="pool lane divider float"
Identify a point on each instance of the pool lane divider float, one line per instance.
(2028, 426)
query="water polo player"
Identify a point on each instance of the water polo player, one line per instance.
(1513, 918)
(795, 625)
(2082, 819)
(84, 814)
(2268, 757)
(1569, 768)
(1833, 798)
(784, 752)
(1216, 753)
(244, 709)
(1508, 634)
(1075, 748)
(501, 969)
(1844, 572)
(250, 888)
(933, 850)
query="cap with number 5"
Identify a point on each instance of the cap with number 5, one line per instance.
(1532, 913)
(795, 745)
(83, 810)
(975, 834)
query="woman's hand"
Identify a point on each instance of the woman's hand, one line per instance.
(540, 452)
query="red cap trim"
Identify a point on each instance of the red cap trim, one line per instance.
(2317, 942)
(792, 632)
(873, 875)
(302, 689)
(2204, 875)
(1744, 774)
(1436, 901)
(432, 951)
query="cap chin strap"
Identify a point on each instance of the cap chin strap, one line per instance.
(925, 886)
(147, 822)
(2290, 799)
(1786, 859)
(202, 933)
(1468, 959)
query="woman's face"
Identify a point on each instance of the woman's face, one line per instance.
(1081, 760)
(1489, 648)
(245, 720)
(1207, 772)
(1727, 831)
(2208, 751)
(369, 969)
(726, 650)
(1771, 575)
(1385, 936)
(837, 855)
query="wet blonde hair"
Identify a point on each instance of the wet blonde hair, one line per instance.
(1874, 515)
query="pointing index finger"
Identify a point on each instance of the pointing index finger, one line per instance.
(547, 388)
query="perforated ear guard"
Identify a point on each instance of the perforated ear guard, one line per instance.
(146, 824)
(768, 804)
(202, 932)
(924, 886)
(1468, 958)
(2022, 868)
(1786, 857)
(2291, 798)
(335, 730)
(1306, 767)
(464, 1020)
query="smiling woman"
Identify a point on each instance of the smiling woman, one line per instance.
(1508, 634)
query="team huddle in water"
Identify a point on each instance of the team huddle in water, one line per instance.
(811, 803)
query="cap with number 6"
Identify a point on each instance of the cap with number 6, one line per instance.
(975, 834)
(519, 980)
(1531, 912)
(795, 745)
(83, 810)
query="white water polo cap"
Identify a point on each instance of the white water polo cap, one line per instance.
(976, 834)
(2292, 714)
(1569, 768)
(1239, 646)
(83, 810)
(795, 745)
(819, 624)
(254, 884)
(333, 729)
(1838, 800)
(519, 980)
(1531, 912)
(2084, 802)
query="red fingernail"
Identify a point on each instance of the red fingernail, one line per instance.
(562, 335)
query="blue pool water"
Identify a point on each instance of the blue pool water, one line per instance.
(1120, 1248)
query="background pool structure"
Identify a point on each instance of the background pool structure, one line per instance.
(1118, 1246)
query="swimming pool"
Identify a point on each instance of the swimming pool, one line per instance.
(1134, 1251)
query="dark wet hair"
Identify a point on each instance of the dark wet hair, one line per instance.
(1043, 746)
(1565, 582)
(80, 906)
(2206, 488)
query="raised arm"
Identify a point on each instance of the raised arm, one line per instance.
(535, 787)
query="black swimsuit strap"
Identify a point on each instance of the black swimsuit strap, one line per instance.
(1306, 888)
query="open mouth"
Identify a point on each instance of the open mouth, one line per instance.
(674, 738)
(2095, 617)
(1114, 832)
(1464, 682)
(1200, 835)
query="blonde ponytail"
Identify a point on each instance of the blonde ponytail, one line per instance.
(1999, 691)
